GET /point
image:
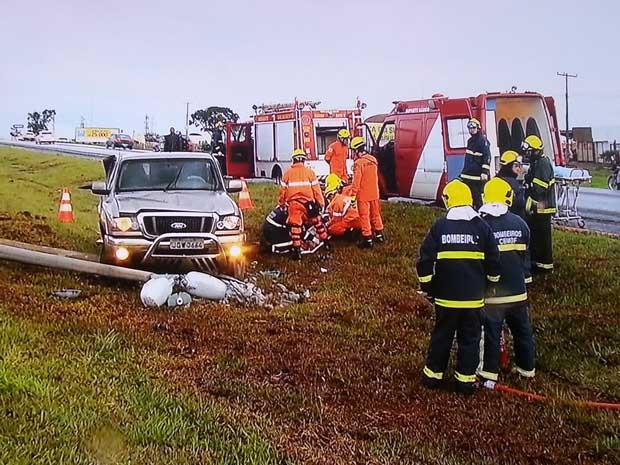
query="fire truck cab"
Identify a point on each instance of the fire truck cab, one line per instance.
(420, 144)
(263, 148)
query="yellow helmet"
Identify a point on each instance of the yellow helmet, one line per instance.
(532, 142)
(473, 123)
(332, 183)
(498, 190)
(509, 156)
(299, 154)
(457, 194)
(357, 143)
(344, 134)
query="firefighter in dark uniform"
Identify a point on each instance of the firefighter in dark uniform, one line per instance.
(457, 258)
(539, 203)
(275, 231)
(510, 169)
(507, 299)
(477, 162)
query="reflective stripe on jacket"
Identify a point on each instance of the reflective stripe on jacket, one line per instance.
(541, 186)
(457, 258)
(477, 157)
(299, 182)
(513, 237)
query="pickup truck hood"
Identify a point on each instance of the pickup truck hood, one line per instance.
(189, 201)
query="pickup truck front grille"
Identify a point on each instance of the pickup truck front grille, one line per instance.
(156, 225)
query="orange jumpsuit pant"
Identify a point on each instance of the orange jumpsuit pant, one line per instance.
(297, 217)
(339, 226)
(370, 216)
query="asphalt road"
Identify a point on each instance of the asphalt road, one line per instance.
(87, 151)
(600, 208)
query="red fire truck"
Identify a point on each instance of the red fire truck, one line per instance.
(420, 144)
(263, 147)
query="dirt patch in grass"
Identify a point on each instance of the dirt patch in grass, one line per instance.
(327, 386)
(32, 229)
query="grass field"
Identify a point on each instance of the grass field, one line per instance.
(330, 380)
(599, 174)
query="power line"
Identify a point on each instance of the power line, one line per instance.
(566, 76)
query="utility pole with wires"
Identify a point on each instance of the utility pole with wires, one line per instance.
(186, 119)
(566, 76)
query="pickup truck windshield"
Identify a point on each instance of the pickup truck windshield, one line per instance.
(167, 174)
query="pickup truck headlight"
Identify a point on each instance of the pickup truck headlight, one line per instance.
(125, 224)
(228, 223)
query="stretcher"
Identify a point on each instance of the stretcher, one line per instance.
(567, 184)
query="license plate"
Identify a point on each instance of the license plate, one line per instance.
(187, 244)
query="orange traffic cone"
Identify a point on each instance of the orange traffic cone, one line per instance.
(245, 202)
(65, 212)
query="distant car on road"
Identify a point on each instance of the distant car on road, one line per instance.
(120, 141)
(45, 137)
(29, 137)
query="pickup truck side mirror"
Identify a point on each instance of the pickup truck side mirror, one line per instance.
(234, 185)
(99, 188)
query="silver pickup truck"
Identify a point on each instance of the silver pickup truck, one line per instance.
(170, 209)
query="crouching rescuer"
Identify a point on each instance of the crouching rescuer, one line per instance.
(301, 194)
(457, 258)
(506, 300)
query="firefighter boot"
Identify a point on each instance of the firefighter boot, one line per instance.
(430, 383)
(379, 237)
(465, 388)
(366, 243)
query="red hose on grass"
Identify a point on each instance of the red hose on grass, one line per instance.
(532, 396)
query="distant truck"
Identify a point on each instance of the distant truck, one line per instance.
(263, 147)
(420, 145)
(94, 135)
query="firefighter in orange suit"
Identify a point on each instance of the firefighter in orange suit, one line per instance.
(365, 192)
(337, 153)
(343, 215)
(301, 195)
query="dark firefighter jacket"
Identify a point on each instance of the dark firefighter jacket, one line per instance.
(540, 183)
(518, 200)
(457, 257)
(477, 157)
(512, 236)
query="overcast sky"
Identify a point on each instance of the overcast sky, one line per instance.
(113, 62)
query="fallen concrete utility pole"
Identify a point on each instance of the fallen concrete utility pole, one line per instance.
(53, 260)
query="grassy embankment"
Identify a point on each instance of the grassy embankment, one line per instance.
(330, 380)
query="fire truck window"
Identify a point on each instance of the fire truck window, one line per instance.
(387, 134)
(238, 134)
(457, 133)
(517, 135)
(503, 136)
(531, 128)
(324, 137)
